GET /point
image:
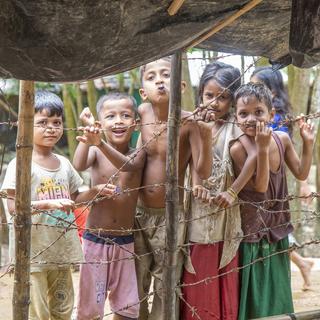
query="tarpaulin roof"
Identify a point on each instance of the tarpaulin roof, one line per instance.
(72, 40)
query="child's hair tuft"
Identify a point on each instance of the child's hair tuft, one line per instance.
(254, 90)
(227, 77)
(116, 96)
(48, 101)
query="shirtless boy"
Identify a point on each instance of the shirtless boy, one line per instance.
(194, 145)
(110, 220)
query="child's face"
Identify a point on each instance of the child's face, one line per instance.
(156, 82)
(47, 130)
(217, 98)
(118, 119)
(249, 111)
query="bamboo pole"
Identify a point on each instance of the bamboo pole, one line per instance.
(22, 221)
(172, 192)
(249, 6)
(175, 6)
(306, 315)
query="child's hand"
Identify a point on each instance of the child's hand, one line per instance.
(91, 135)
(263, 135)
(87, 117)
(204, 114)
(306, 130)
(223, 200)
(107, 190)
(201, 193)
(66, 205)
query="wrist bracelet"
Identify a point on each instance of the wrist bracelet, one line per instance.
(232, 193)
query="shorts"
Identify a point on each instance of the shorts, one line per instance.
(109, 267)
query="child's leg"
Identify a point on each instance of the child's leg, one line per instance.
(265, 285)
(123, 296)
(60, 294)
(230, 286)
(143, 265)
(305, 265)
(38, 309)
(157, 244)
(201, 300)
(93, 281)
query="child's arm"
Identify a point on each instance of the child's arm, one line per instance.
(100, 190)
(201, 143)
(84, 156)
(55, 204)
(132, 162)
(198, 190)
(299, 167)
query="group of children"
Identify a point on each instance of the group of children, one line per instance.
(232, 153)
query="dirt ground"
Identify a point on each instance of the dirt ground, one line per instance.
(303, 300)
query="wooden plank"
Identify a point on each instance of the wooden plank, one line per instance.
(249, 6)
(306, 315)
(175, 6)
(172, 192)
(22, 221)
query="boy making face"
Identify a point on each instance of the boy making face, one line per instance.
(110, 220)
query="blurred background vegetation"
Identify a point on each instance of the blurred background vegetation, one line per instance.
(303, 86)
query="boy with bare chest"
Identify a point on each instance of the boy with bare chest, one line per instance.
(108, 237)
(194, 146)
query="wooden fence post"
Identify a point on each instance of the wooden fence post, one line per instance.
(22, 221)
(172, 192)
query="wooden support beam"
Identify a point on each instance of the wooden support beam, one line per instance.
(172, 192)
(250, 5)
(22, 220)
(306, 315)
(175, 6)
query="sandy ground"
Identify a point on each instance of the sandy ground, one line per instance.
(303, 300)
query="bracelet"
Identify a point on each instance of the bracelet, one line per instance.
(232, 193)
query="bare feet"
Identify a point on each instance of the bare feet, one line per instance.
(305, 269)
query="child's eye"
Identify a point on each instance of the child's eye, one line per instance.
(126, 116)
(242, 114)
(109, 116)
(150, 77)
(208, 95)
(259, 112)
(42, 123)
(57, 124)
(166, 74)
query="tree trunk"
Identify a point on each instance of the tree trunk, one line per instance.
(92, 97)
(22, 221)
(172, 192)
(188, 99)
(69, 119)
(298, 88)
(79, 99)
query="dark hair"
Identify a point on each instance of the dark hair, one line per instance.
(225, 75)
(117, 96)
(49, 101)
(143, 67)
(273, 80)
(254, 90)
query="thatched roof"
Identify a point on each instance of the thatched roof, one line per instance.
(57, 40)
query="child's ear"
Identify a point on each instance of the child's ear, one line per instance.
(143, 94)
(183, 86)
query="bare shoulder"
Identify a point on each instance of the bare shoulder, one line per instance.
(237, 151)
(284, 138)
(144, 109)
